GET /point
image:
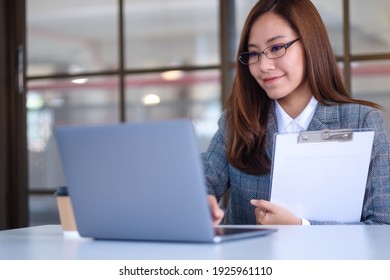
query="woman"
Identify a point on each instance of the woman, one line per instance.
(286, 80)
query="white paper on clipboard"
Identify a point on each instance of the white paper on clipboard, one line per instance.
(322, 175)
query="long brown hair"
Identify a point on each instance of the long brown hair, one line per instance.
(248, 105)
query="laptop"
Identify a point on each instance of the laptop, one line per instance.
(140, 181)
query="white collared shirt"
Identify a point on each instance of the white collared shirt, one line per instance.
(288, 124)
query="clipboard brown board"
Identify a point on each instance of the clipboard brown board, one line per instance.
(322, 175)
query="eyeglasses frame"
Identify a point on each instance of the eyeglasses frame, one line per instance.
(263, 52)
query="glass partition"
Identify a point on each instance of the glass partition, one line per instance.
(370, 32)
(177, 94)
(332, 15)
(58, 102)
(171, 33)
(70, 36)
(371, 81)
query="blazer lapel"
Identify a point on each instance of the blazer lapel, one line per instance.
(325, 117)
(271, 130)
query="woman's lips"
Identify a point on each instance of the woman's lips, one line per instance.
(271, 79)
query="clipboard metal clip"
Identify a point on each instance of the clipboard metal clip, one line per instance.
(326, 135)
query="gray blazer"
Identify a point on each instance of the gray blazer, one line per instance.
(221, 176)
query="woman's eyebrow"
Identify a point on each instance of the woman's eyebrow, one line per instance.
(272, 39)
(269, 41)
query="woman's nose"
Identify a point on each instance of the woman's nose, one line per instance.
(265, 63)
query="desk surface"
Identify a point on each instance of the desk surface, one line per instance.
(289, 242)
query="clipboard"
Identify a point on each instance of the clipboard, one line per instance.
(322, 175)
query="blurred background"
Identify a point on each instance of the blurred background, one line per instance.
(111, 61)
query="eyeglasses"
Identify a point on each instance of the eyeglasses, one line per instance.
(271, 52)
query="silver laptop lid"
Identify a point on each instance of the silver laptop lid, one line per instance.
(139, 181)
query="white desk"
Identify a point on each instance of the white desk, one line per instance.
(289, 242)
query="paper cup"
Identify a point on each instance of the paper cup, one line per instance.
(65, 209)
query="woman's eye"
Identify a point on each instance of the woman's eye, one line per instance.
(252, 54)
(276, 48)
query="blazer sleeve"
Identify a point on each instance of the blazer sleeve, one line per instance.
(215, 164)
(376, 206)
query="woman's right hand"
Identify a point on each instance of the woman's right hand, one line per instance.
(217, 213)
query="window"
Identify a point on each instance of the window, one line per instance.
(94, 62)
(101, 61)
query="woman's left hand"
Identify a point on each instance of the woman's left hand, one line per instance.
(268, 213)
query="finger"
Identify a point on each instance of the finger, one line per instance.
(266, 205)
(260, 215)
(212, 200)
(255, 202)
(260, 203)
(216, 212)
(218, 216)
